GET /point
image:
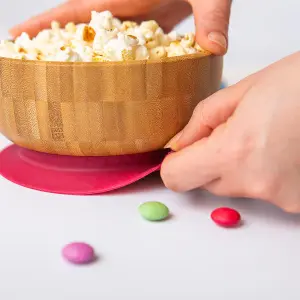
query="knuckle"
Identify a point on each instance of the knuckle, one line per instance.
(238, 152)
(200, 113)
(216, 16)
(264, 189)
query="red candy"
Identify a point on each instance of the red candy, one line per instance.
(226, 217)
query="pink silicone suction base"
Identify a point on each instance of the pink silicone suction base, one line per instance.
(76, 175)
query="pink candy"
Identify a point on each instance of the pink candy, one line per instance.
(78, 253)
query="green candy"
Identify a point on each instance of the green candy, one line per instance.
(154, 211)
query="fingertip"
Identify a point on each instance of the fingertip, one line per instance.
(214, 42)
(168, 175)
(16, 31)
(31, 27)
(13, 32)
(212, 22)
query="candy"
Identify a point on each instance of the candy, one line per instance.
(154, 211)
(226, 217)
(78, 253)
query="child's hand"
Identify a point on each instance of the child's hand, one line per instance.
(211, 17)
(244, 140)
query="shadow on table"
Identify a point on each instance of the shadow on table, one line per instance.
(259, 209)
(202, 200)
(152, 183)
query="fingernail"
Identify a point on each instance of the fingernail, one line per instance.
(218, 38)
(172, 143)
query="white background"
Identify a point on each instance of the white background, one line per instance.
(186, 258)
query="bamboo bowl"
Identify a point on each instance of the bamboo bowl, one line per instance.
(102, 109)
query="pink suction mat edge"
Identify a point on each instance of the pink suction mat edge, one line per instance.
(76, 175)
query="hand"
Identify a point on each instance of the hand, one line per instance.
(211, 17)
(244, 141)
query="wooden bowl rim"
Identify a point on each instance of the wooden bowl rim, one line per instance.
(174, 59)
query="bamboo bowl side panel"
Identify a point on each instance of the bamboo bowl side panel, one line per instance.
(101, 109)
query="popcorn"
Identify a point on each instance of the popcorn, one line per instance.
(55, 25)
(188, 40)
(43, 37)
(127, 25)
(190, 50)
(141, 53)
(163, 39)
(70, 27)
(102, 20)
(121, 48)
(88, 34)
(99, 58)
(174, 36)
(8, 49)
(176, 49)
(150, 25)
(24, 41)
(104, 38)
(158, 52)
(127, 54)
(152, 43)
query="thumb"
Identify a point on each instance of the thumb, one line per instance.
(211, 113)
(212, 21)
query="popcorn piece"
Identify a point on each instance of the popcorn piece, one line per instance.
(8, 49)
(137, 32)
(116, 23)
(127, 25)
(127, 54)
(103, 20)
(99, 58)
(176, 49)
(101, 38)
(201, 50)
(85, 53)
(163, 39)
(141, 53)
(23, 41)
(43, 37)
(174, 36)
(152, 43)
(188, 40)
(114, 49)
(190, 50)
(55, 25)
(158, 52)
(88, 34)
(150, 25)
(148, 34)
(71, 27)
(67, 55)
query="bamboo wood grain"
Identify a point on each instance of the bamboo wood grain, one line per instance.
(100, 109)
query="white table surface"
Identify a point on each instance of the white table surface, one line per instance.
(186, 258)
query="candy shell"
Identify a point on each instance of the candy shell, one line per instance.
(226, 217)
(78, 253)
(154, 211)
